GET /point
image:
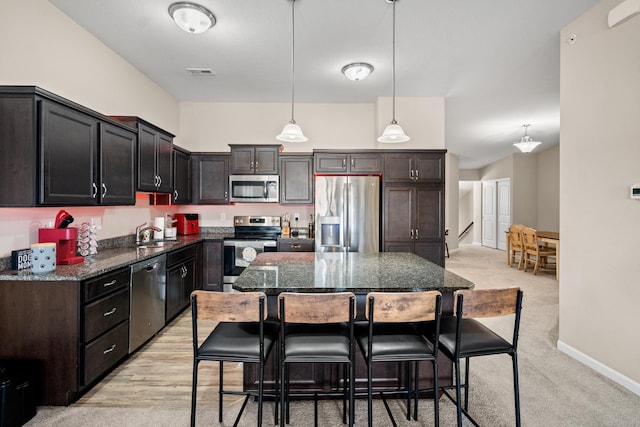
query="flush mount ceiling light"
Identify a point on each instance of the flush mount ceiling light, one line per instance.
(192, 17)
(393, 133)
(292, 132)
(357, 71)
(526, 144)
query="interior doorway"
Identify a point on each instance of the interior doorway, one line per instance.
(496, 212)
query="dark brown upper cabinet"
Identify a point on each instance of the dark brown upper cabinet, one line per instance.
(54, 152)
(155, 151)
(181, 176)
(414, 167)
(343, 162)
(254, 159)
(296, 180)
(210, 183)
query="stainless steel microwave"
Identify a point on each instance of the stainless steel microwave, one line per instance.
(254, 188)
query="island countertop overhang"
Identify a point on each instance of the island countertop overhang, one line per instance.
(275, 272)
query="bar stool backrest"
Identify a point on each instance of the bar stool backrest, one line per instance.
(315, 307)
(488, 302)
(229, 306)
(401, 307)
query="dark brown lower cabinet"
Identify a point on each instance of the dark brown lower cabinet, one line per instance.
(212, 267)
(182, 278)
(77, 331)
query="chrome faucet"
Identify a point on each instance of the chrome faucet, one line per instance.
(141, 228)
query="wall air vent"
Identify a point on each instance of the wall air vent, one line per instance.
(200, 71)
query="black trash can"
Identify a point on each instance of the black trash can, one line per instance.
(19, 391)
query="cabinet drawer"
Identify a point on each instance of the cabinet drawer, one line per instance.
(296, 245)
(180, 255)
(106, 283)
(105, 313)
(104, 352)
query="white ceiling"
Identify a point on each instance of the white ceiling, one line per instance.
(497, 62)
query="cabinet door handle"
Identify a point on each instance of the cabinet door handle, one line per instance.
(411, 174)
(353, 163)
(111, 283)
(109, 313)
(95, 190)
(295, 246)
(226, 195)
(255, 165)
(417, 176)
(175, 195)
(412, 234)
(417, 234)
(159, 180)
(344, 163)
(109, 350)
(104, 190)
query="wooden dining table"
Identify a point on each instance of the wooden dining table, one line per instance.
(544, 237)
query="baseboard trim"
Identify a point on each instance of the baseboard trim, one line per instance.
(612, 374)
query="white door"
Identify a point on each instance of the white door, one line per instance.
(496, 212)
(489, 215)
(504, 211)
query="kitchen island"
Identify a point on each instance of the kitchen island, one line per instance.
(360, 273)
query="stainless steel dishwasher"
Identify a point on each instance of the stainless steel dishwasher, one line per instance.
(147, 300)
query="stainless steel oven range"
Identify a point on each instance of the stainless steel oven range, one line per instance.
(252, 235)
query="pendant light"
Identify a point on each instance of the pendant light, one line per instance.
(292, 132)
(526, 144)
(393, 133)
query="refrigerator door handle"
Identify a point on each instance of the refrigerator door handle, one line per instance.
(345, 216)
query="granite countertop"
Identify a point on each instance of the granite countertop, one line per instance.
(109, 259)
(274, 272)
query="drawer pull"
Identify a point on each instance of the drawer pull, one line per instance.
(111, 283)
(296, 246)
(109, 350)
(110, 312)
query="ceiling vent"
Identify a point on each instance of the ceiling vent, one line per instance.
(200, 71)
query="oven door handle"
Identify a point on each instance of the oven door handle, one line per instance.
(271, 243)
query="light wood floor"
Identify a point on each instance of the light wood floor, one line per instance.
(159, 373)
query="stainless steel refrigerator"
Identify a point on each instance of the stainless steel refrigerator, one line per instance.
(347, 213)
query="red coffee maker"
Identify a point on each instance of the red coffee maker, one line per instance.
(66, 239)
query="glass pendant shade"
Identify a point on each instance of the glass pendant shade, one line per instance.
(526, 144)
(191, 17)
(292, 133)
(393, 134)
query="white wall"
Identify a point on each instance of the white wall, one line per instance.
(58, 55)
(599, 159)
(452, 199)
(548, 175)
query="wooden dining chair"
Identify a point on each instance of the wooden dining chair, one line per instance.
(534, 253)
(517, 247)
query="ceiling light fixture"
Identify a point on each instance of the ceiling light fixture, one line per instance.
(292, 132)
(393, 133)
(357, 71)
(192, 17)
(526, 144)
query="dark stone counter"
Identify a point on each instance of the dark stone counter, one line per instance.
(275, 272)
(109, 259)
